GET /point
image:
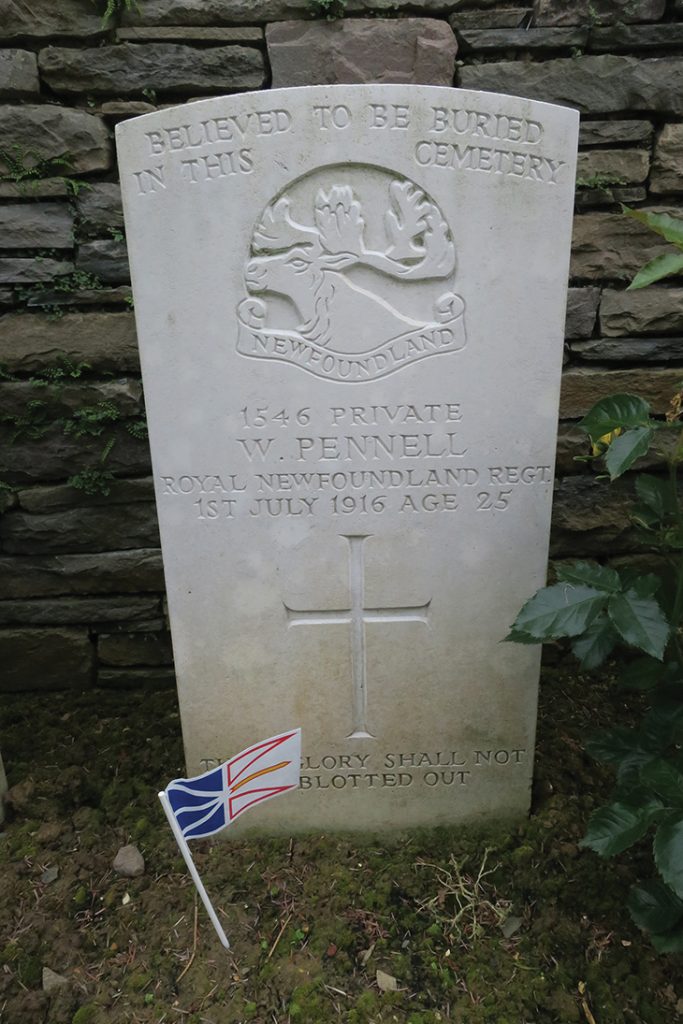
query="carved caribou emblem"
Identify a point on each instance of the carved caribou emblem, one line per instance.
(348, 319)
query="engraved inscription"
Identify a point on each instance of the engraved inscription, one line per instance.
(356, 616)
(354, 460)
(460, 139)
(400, 770)
(488, 151)
(150, 179)
(483, 158)
(394, 116)
(231, 128)
(234, 134)
(338, 116)
(484, 124)
(217, 165)
(326, 245)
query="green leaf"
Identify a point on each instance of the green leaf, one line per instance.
(661, 725)
(664, 265)
(621, 747)
(632, 791)
(673, 539)
(641, 674)
(518, 636)
(668, 849)
(627, 449)
(668, 942)
(560, 610)
(656, 494)
(614, 828)
(654, 906)
(596, 643)
(644, 517)
(666, 595)
(629, 787)
(615, 411)
(640, 622)
(590, 573)
(670, 228)
(630, 576)
(665, 779)
(612, 745)
(645, 586)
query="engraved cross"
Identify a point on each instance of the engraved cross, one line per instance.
(356, 616)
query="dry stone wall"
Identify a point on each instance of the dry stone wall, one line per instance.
(81, 581)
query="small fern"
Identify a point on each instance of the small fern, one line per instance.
(115, 7)
(59, 375)
(92, 480)
(18, 171)
(33, 423)
(91, 420)
(137, 429)
(329, 9)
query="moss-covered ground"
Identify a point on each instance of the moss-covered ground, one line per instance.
(514, 926)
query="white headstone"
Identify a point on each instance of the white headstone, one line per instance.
(350, 305)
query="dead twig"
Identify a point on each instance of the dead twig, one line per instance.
(584, 1004)
(589, 1016)
(279, 936)
(339, 991)
(207, 997)
(194, 947)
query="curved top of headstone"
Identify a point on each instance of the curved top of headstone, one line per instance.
(460, 98)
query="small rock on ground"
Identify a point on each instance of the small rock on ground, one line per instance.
(19, 797)
(48, 832)
(129, 862)
(50, 875)
(52, 980)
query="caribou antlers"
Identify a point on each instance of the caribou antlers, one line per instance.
(338, 219)
(277, 231)
(420, 243)
(406, 223)
(419, 247)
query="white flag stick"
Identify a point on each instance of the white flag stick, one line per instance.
(185, 850)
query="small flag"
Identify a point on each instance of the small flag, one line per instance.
(207, 803)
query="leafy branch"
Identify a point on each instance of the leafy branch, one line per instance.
(667, 264)
(600, 610)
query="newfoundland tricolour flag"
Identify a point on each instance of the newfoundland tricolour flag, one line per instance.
(207, 803)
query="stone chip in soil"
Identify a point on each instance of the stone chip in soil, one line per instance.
(52, 980)
(129, 862)
(49, 832)
(50, 875)
(19, 797)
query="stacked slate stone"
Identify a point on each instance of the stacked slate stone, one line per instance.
(81, 583)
